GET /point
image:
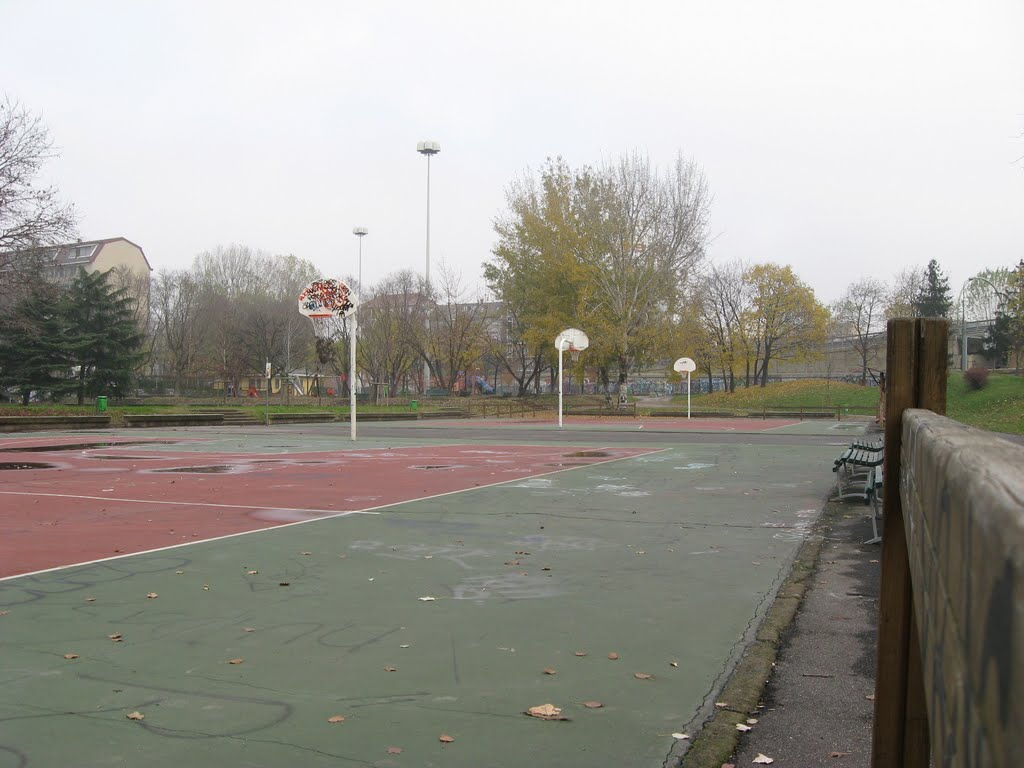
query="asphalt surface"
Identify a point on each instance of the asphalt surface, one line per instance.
(817, 709)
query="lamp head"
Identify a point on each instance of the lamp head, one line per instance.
(428, 148)
(359, 231)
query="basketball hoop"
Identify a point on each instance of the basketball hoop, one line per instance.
(575, 354)
(326, 302)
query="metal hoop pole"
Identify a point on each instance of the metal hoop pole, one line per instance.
(559, 385)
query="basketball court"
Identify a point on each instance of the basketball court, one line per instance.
(242, 588)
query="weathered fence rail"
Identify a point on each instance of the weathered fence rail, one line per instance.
(951, 618)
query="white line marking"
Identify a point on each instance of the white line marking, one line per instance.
(367, 511)
(175, 503)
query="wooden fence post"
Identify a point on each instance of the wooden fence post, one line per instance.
(916, 362)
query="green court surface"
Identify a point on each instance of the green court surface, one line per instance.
(443, 616)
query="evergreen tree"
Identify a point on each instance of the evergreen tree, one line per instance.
(933, 300)
(101, 344)
(30, 336)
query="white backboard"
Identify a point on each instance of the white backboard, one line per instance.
(684, 365)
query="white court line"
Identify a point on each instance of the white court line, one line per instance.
(367, 511)
(176, 503)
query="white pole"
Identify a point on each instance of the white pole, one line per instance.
(352, 379)
(426, 362)
(559, 385)
(687, 394)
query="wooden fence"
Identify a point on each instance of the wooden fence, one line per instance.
(951, 618)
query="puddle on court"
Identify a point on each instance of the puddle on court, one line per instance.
(126, 458)
(587, 455)
(212, 469)
(26, 465)
(82, 446)
(568, 464)
(434, 466)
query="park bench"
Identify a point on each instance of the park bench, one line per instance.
(873, 488)
(853, 468)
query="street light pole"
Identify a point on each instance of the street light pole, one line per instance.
(360, 232)
(428, 149)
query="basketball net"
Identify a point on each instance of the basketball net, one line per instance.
(327, 328)
(575, 354)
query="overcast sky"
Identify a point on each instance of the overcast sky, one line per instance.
(844, 139)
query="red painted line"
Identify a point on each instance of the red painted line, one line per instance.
(96, 505)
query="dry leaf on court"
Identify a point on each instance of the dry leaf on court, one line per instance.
(580, 653)
(680, 736)
(235, 661)
(135, 716)
(390, 669)
(550, 671)
(546, 712)
(673, 663)
(721, 704)
(870, 697)
(284, 583)
(116, 638)
(613, 656)
(90, 599)
(742, 727)
(762, 759)
(404, 645)
(305, 553)
(4, 613)
(70, 655)
(427, 599)
(248, 629)
(251, 573)
(751, 721)
(838, 754)
(178, 573)
(445, 738)
(643, 676)
(152, 595)
(206, 587)
(336, 719)
(395, 750)
(593, 704)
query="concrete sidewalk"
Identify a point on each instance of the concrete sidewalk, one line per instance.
(817, 707)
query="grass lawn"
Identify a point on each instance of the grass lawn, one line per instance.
(998, 407)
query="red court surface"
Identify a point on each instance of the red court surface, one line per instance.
(102, 502)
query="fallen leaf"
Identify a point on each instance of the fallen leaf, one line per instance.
(870, 697)
(178, 573)
(305, 553)
(395, 750)
(613, 656)
(427, 599)
(70, 655)
(580, 653)
(4, 613)
(135, 716)
(152, 595)
(680, 736)
(284, 583)
(751, 721)
(762, 759)
(445, 738)
(251, 573)
(742, 727)
(838, 754)
(404, 646)
(643, 676)
(336, 719)
(550, 671)
(641, 552)
(206, 587)
(512, 562)
(546, 568)
(673, 663)
(235, 661)
(248, 629)
(390, 669)
(547, 712)
(90, 599)
(721, 704)
(116, 638)
(593, 704)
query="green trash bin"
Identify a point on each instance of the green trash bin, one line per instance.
(414, 404)
(101, 403)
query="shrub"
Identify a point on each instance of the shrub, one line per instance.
(976, 377)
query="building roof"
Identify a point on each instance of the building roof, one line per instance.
(86, 251)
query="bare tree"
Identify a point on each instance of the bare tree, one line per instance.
(724, 301)
(387, 350)
(457, 337)
(31, 217)
(860, 314)
(906, 286)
